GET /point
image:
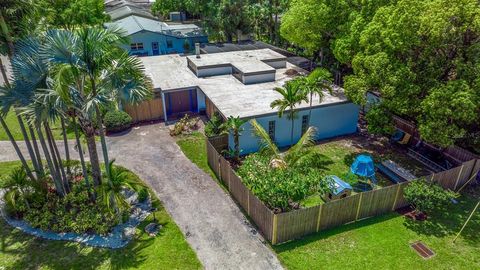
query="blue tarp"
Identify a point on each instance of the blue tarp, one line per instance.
(338, 185)
(363, 166)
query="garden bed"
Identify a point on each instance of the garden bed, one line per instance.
(168, 249)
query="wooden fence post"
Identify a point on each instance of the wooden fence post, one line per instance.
(458, 177)
(396, 197)
(248, 202)
(359, 205)
(274, 230)
(319, 215)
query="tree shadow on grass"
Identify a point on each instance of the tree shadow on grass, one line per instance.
(448, 222)
(317, 161)
(32, 253)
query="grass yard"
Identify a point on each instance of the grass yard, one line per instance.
(168, 250)
(336, 157)
(193, 146)
(14, 127)
(383, 242)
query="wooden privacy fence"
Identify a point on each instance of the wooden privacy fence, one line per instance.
(282, 227)
(455, 153)
(146, 110)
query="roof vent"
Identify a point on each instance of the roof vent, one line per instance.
(197, 49)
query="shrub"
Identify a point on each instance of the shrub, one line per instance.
(214, 127)
(73, 213)
(142, 195)
(426, 196)
(116, 121)
(279, 188)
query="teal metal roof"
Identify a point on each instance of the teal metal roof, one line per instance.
(134, 24)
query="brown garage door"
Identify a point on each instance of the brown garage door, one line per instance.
(181, 102)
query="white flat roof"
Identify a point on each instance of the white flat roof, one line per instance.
(245, 61)
(230, 96)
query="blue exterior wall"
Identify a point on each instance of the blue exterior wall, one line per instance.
(201, 100)
(330, 121)
(147, 38)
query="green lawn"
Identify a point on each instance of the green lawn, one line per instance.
(168, 250)
(193, 146)
(383, 243)
(14, 127)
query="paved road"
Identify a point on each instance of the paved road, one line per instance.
(212, 223)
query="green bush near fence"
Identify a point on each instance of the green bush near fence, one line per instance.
(116, 121)
(279, 188)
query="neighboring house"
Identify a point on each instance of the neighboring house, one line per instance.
(123, 11)
(152, 37)
(240, 84)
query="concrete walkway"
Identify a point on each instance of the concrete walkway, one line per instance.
(211, 221)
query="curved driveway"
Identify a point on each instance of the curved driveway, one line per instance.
(212, 223)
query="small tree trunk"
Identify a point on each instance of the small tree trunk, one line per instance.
(3, 70)
(293, 124)
(37, 151)
(17, 149)
(55, 159)
(65, 143)
(103, 142)
(237, 144)
(33, 157)
(92, 152)
(310, 112)
(59, 158)
(82, 159)
(56, 179)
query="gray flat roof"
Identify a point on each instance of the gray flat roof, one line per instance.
(245, 61)
(230, 96)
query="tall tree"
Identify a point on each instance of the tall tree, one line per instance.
(234, 124)
(93, 73)
(315, 84)
(291, 95)
(70, 14)
(423, 58)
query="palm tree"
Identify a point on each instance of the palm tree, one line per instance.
(91, 62)
(234, 124)
(316, 83)
(17, 186)
(289, 157)
(111, 192)
(292, 95)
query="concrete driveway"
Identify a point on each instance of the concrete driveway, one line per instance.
(211, 221)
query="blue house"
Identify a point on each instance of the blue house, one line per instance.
(240, 84)
(152, 37)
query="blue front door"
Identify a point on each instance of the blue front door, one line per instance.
(155, 49)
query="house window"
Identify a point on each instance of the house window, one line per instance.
(305, 123)
(271, 130)
(169, 43)
(136, 46)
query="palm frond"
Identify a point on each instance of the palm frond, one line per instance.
(304, 144)
(267, 146)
